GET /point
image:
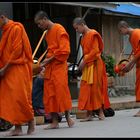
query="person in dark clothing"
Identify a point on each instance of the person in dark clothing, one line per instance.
(37, 99)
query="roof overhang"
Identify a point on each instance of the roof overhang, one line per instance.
(124, 9)
(110, 8)
(89, 4)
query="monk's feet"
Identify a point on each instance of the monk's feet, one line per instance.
(31, 127)
(52, 126)
(101, 116)
(70, 122)
(15, 133)
(89, 118)
(137, 114)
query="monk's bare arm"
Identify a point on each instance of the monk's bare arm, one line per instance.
(47, 61)
(136, 56)
(131, 64)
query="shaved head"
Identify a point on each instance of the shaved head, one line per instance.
(41, 15)
(123, 24)
(124, 28)
(42, 20)
(3, 18)
(79, 20)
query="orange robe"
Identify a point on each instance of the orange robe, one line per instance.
(93, 95)
(135, 43)
(57, 96)
(16, 84)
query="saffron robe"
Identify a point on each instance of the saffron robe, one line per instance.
(57, 96)
(135, 43)
(93, 91)
(16, 84)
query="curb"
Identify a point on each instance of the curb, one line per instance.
(115, 106)
(125, 105)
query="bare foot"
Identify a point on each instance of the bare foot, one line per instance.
(101, 117)
(31, 127)
(101, 114)
(89, 118)
(15, 133)
(137, 114)
(70, 122)
(52, 126)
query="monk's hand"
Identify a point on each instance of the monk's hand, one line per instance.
(128, 67)
(81, 66)
(41, 74)
(45, 62)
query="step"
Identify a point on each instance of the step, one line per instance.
(39, 120)
(117, 103)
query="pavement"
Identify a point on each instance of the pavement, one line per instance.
(122, 125)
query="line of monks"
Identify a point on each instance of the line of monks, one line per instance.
(16, 72)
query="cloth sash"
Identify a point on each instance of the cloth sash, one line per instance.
(87, 74)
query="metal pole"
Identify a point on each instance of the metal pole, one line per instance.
(86, 13)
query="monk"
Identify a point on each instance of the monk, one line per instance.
(15, 76)
(93, 87)
(134, 39)
(56, 96)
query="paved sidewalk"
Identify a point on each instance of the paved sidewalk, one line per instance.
(123, 117)
(122, 125)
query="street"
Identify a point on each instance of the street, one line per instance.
(122, 125)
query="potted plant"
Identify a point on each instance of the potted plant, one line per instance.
(110, 63)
